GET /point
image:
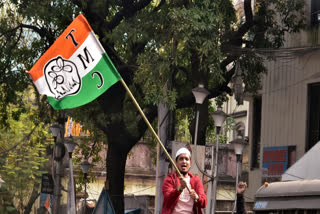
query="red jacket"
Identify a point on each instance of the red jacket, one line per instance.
(171, 194)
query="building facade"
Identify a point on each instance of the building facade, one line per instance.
(284, 118)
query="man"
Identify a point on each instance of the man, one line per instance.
(241, 188)
(176, 197)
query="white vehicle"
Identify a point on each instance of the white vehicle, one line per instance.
(290, 197)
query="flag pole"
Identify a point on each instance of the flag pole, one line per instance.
(151, 129)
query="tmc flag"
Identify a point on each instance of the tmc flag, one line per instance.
(75, 70)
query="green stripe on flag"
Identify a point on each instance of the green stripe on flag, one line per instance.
(89, 90)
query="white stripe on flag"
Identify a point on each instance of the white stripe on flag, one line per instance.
(93, 47)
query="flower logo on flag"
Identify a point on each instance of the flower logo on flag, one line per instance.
(62, 77)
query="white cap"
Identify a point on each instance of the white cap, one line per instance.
(183, 151)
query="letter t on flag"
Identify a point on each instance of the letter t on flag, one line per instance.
(75, 70)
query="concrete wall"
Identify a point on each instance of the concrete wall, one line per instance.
(139, 176)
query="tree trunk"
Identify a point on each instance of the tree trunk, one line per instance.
(116, 162)
(166, 133)
(203, 123)
(34, 195)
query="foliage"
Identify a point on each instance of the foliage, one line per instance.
(189, 31)
(89, 147)
(162, 49)
(182, 125)
(219, 100)
(23, 155)
(185, 117)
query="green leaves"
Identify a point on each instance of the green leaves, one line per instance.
(177, 34)
(273, 19)
(252, 69)
(23, 153)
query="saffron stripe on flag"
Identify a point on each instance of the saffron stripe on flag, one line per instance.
(81, 27)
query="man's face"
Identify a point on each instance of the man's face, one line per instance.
(183, 163)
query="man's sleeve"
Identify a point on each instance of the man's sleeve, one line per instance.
(240, 204)
(169, 189)
(202, 201)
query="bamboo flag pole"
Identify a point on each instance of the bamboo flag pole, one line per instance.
(151, 128)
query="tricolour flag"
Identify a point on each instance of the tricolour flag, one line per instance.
(47, 204)
(75, 70)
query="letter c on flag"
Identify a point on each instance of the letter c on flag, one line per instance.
(100, 77)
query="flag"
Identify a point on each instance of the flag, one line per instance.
(104, 204)
(46, 201)
(75, 70)
(47, 204)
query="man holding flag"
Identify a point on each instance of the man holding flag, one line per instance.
(183, 194)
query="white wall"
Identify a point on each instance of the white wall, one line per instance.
(284, 98)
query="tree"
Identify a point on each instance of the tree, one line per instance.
(23, 158)
(152, 43)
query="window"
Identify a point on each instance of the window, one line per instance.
(256, 132)
(315, 12)
(313, 115)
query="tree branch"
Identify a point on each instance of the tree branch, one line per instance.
(23, 140)
(236, 37)
(33, 197)
(127, 12)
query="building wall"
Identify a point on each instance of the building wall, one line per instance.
(285, 98)
(233, 109)
(240, 114)
(139, 181)
(139, 176)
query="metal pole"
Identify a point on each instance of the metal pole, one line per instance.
(211, 201)
(195, 146)
(237, 181)
(71, 192)
(215, 177)
(158, 185)
(56, 191)
(57, 169)
(85, 193)
(164, 117)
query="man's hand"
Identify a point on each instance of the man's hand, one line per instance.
(241, 187)
(194, 195)
(183, 184)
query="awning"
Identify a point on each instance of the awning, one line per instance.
(305, 167)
